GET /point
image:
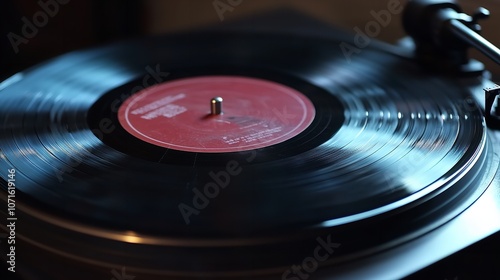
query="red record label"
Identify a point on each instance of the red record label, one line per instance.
(178, 114)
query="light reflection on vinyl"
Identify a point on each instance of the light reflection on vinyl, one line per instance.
(383, 146)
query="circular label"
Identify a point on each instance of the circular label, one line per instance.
(180, 114)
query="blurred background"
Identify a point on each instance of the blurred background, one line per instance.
(66, 25)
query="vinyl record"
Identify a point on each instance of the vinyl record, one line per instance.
(117, 146)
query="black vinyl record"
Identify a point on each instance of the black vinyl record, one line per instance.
(385, 155)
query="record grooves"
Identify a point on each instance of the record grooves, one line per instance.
(382, 150)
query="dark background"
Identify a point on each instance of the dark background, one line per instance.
(85, 23)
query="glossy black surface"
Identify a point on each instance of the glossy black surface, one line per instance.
(393, 152)
(380, 137)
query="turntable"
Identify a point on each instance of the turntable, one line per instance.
(260, 155)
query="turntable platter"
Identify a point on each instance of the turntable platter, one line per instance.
(380, 146)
